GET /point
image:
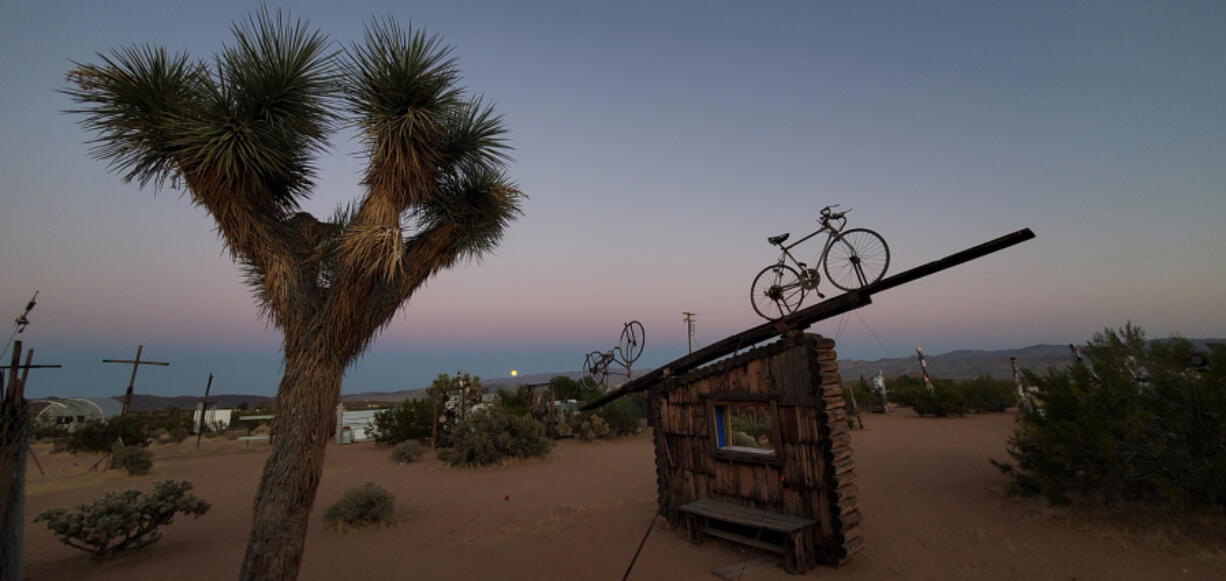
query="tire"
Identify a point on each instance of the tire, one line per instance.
(776, 291)
(856, 259)
(632, 341)
(595, 367)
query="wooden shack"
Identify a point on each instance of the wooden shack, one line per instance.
(756, 448)
(800, 464)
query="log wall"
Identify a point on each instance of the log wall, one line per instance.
(812, 473)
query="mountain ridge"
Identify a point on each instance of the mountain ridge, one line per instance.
(956, 364)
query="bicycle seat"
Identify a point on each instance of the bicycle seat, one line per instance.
(777, 240)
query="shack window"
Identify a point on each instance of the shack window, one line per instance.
(745, 428)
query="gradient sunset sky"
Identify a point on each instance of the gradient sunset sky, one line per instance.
(660, 143)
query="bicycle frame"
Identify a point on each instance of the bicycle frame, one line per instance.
(830, 231)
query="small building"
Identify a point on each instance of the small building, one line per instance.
(71, 412)
(756, 449)
(354, 426)
(215, 420)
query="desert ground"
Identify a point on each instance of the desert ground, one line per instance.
(934, 508)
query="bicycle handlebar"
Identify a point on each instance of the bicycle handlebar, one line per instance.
(828, 215)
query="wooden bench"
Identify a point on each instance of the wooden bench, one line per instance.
(792, 534)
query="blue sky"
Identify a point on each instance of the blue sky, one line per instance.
(660, 144)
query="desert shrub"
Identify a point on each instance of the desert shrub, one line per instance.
(100, 436)
(751, 425)
(369, 504)
(406, 452)
(742, 439)
(411, 420)
(944, 400)
(177, 435)
(135, 460)
(623, 415)
(47, 431)
(516, 403)
(1139, 425)
(122, 521)
(985, 394)
(591, 427)
(491, 436)
(565, 388)
(863, 394)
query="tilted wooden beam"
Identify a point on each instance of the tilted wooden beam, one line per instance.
(807, 316)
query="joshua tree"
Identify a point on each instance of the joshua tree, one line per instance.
(238, 134)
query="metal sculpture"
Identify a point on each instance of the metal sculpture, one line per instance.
(628, 349)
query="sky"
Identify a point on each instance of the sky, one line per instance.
(660, 143)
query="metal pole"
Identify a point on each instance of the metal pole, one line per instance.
(204, 410)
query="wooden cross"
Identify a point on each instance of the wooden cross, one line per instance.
(127, 396)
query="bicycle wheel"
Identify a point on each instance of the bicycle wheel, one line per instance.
(776, 291)
(632, 340)
(595, 367)
(856, 259)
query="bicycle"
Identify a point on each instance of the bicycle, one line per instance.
(629, 347)
(852, 259)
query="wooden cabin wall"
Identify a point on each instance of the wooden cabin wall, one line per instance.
(812, 475)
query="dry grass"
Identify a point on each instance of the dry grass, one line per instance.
(1196, 534)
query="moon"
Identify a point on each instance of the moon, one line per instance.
(514, 373)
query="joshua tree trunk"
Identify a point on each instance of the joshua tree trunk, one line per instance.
(306, 409)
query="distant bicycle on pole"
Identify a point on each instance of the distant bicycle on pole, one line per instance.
(852, 259)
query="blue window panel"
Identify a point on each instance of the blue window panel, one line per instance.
(721, 438)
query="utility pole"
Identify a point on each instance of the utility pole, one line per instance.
(127, 396)
(204, 410)
(924, 369)
(689, 325)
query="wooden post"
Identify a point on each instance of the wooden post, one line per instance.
(434, 426)
(204, 411)
(553, 414)
(127, 396)
(14, 445)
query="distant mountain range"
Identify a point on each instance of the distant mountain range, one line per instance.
(960, 364)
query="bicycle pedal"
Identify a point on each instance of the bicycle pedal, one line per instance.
(819, 294)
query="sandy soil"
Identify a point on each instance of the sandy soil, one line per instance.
(933, 509)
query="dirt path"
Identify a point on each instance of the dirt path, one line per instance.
(932, 504)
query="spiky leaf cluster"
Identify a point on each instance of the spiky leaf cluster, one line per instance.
(240, 133)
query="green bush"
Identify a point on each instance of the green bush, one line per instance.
(178, 435)
(624, 415)
(100, 436)
(591, 427)
(122, 521)
(491, 436)
(944, 400)
(406, 452)
(516, 403)
(1140, 425)
(411, 420)
(565, 388)
(137, 461)
(369, 504)
(985, 394)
